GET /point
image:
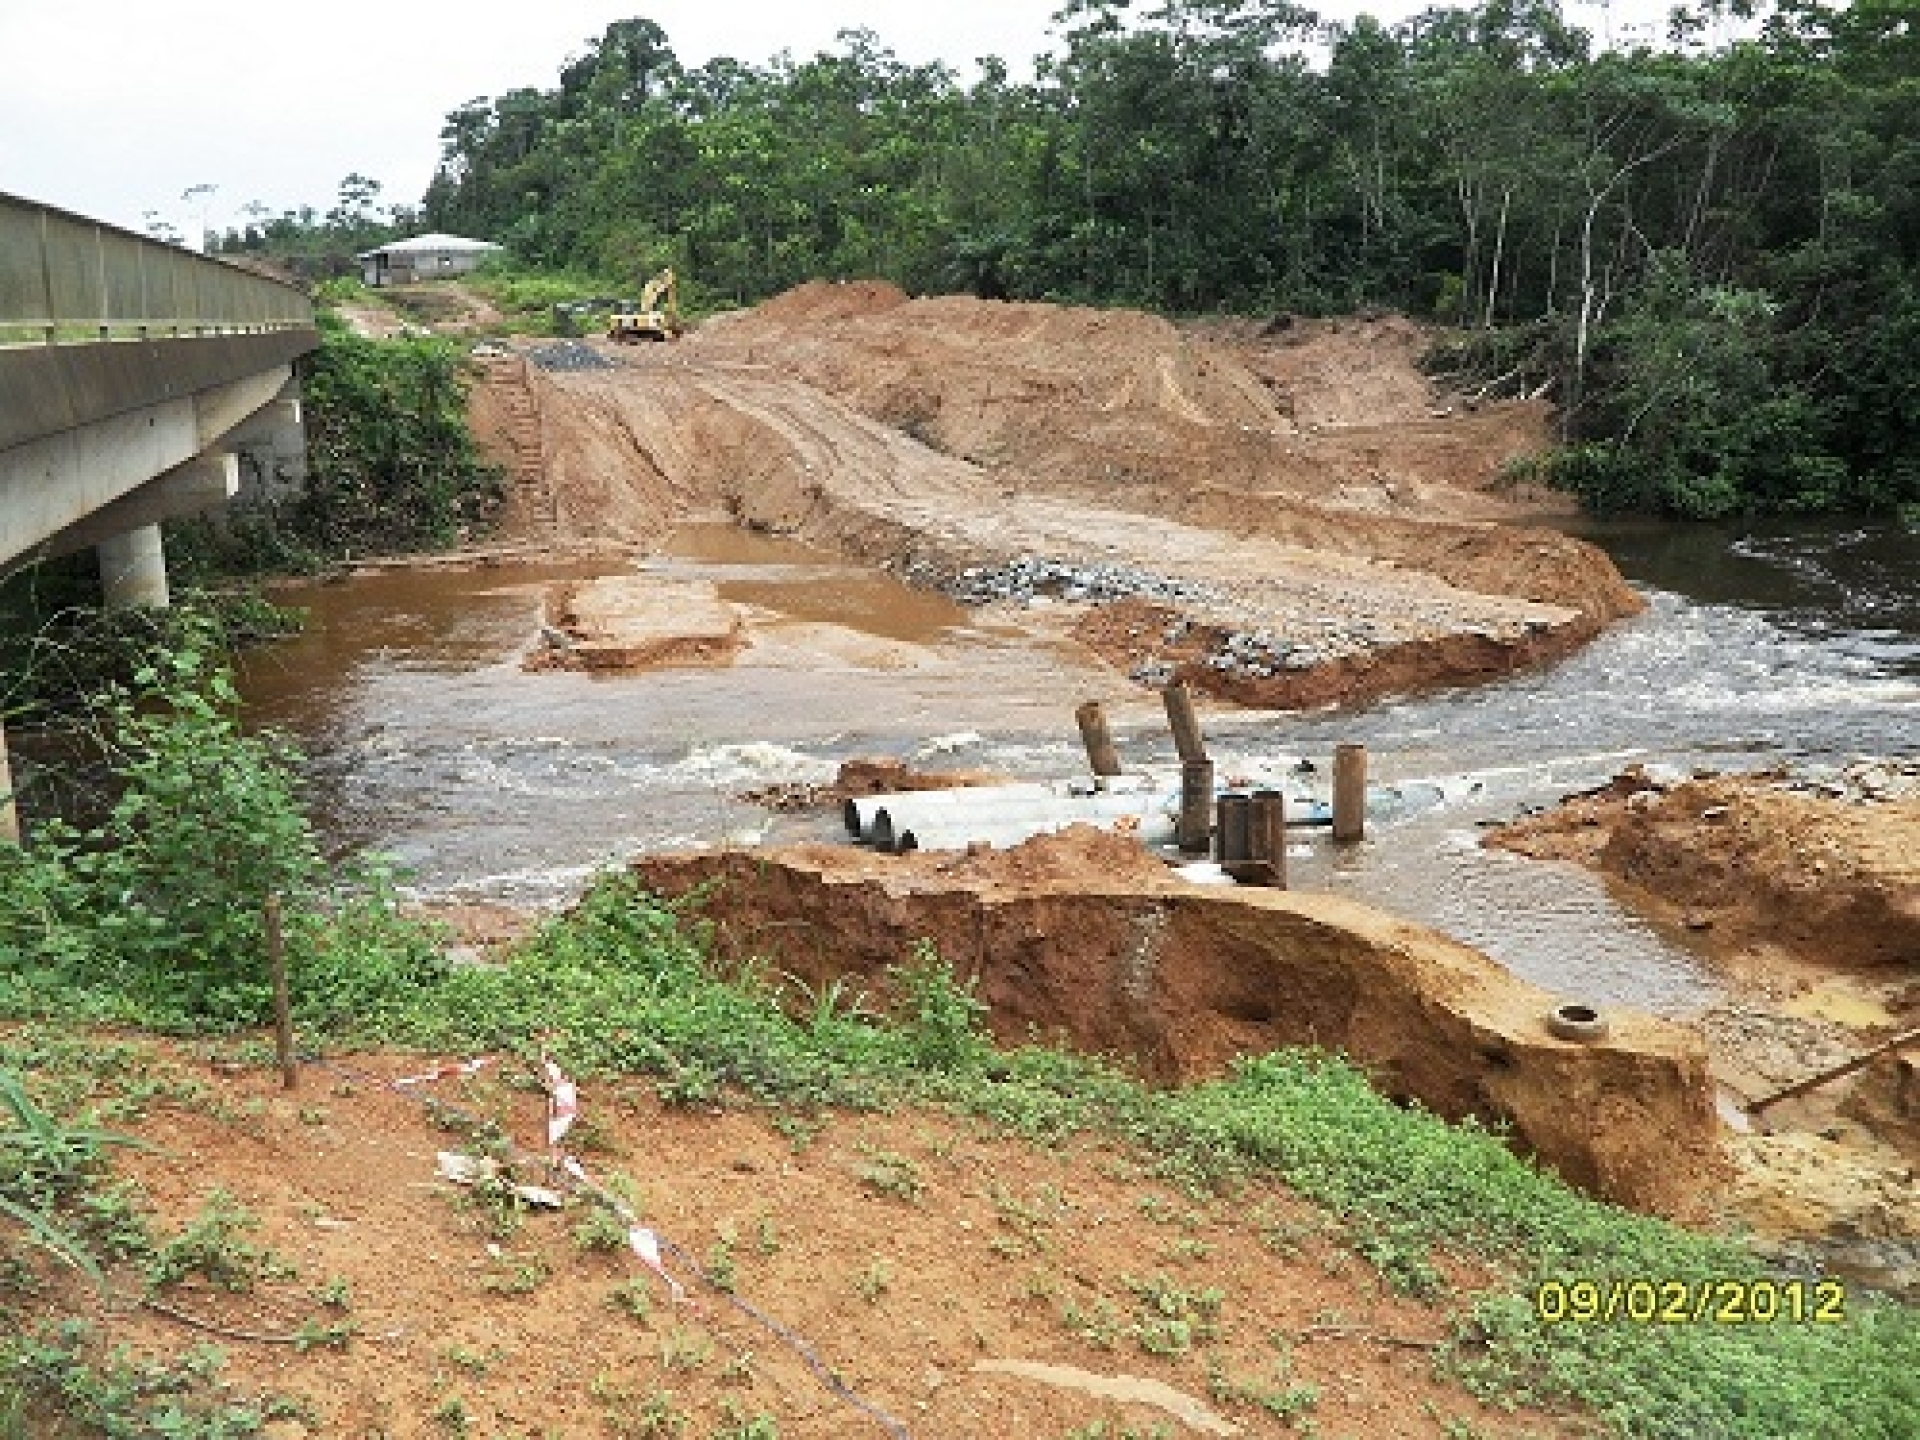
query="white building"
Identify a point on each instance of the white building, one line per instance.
(425, 257)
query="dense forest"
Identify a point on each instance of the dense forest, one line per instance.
(1706, 252)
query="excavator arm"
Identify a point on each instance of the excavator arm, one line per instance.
(661, 284)
(657, 317)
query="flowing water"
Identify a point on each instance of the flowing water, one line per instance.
(1792, 644)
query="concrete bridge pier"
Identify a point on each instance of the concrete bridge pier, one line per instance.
(9, 812)
(133, 570)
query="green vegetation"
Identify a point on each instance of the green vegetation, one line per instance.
(60, 1207)
(391, 465)
(58, 649)
(1700, 247)
(155, 913)
(92, 927)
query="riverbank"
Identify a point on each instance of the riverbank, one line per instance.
(1788, 882)
(1806, 894)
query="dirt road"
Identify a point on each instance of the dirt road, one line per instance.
(1198, 505)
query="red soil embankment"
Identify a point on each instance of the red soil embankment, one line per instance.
(1081, 936)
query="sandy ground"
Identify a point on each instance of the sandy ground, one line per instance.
(1808, 897)
(1281, 519)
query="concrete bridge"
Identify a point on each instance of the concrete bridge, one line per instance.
(139, 383)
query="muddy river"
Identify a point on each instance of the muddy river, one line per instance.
(430, 742)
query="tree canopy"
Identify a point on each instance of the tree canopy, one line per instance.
(1707, 254)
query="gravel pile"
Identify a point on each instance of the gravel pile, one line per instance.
(1864, 781)
(1261, 653)
(568, 355)
(1034, 576)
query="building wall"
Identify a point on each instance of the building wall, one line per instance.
(406, 268)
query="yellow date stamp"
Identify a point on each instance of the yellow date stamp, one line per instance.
(1647, 1301)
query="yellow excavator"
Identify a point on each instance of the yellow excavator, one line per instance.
(656, 317)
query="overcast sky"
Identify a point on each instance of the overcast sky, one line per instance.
(116, 108)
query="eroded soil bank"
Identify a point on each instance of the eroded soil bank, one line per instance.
(1807, 894)
(1765, 869)
(1282, 518)
(1083, 937)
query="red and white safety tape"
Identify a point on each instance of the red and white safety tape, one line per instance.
(563, 1108)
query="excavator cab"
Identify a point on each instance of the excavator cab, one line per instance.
(656, 317)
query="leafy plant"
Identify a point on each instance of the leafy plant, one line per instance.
(116, 1394)
(887, 1173)
(509, 1273)
(213, 1247)
(43, 1163)
(874, 1281)
(599, 1228)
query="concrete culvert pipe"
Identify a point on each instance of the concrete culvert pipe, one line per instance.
(1150, 829)
(1576, 1022)
(943, 810)
(858, 813)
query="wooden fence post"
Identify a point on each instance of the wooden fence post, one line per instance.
(1349, 792)
(282, 1009)
(9, 812)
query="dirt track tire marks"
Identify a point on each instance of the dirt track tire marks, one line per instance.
(704, 429)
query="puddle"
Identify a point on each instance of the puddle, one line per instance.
(1843, 1004)
(807, 585)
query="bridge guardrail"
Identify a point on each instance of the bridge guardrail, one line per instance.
(65, 277)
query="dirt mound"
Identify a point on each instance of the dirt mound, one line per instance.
(1082, 936)
(637, 447)
(1357, 371)
(970, 446)
(623, 622)
(1752, 866)
(831, 300)
(863, 776)
(1114, 402)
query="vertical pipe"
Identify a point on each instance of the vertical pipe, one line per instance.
(1184, 723)
(1230, 843)
(1098, 739)
(1195, 826)
(1267, 834)
(1349, 792)
(9, 812)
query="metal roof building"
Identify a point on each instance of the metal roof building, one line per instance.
(425, 257)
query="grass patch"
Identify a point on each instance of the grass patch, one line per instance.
(627, 986)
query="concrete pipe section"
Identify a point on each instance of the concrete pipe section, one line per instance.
(1044, 812)
(859, 813)
(1148, 827)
